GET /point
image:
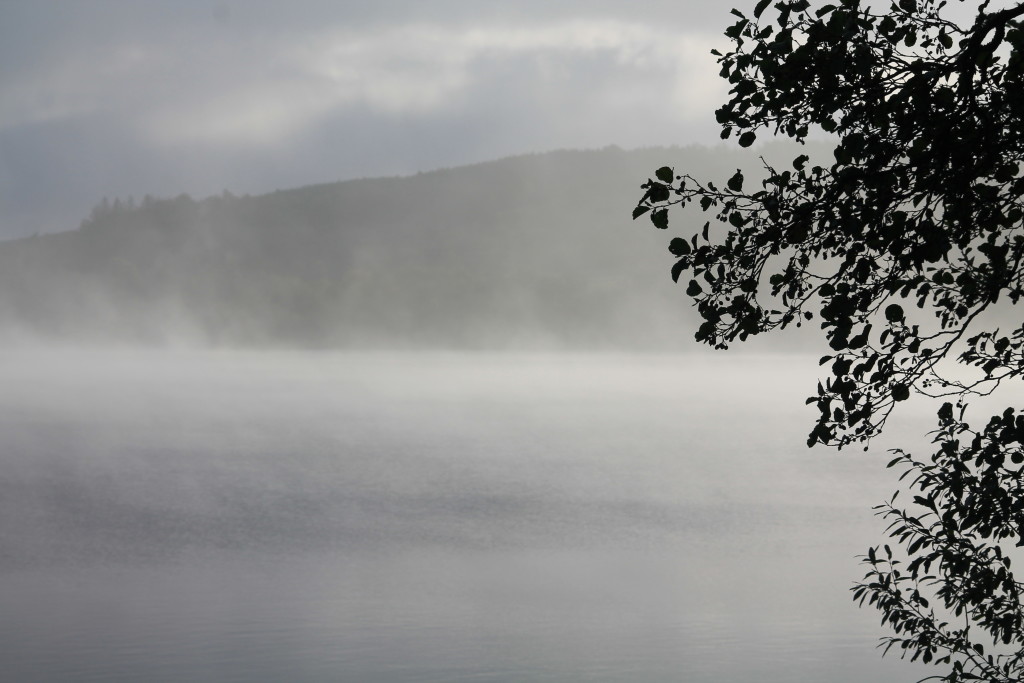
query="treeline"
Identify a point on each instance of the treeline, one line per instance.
(530, 251)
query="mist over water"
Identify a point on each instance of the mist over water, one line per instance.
(525, 253)
(558, 507)
(200, 515)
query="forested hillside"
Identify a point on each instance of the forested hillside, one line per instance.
(528, 252)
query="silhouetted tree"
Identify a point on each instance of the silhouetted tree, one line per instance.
(905, 249)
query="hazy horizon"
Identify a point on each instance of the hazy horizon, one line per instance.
(528, 252)
(118, 99)
(198, 97)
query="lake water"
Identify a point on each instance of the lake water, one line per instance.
(209, 516)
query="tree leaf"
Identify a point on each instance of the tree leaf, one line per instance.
(736, 182)
(658, 193)
(679, 247)
(677, 269)
(894, 313)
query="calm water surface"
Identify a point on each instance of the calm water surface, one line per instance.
(186, 516)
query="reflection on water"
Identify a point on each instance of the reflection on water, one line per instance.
(418, 517)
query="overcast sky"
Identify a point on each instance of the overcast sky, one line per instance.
(127, 98)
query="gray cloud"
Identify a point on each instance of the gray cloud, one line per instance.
(122, 98)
